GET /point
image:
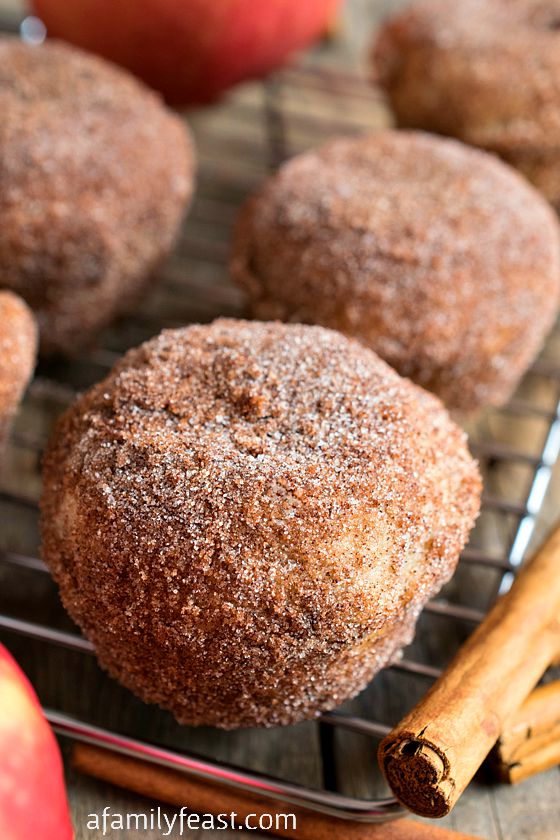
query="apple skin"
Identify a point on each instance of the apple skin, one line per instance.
(189, 50)
(33, 804)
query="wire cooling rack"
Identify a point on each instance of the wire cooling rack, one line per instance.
(239, 142)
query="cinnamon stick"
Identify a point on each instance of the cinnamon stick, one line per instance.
(200, 796)
(530, 743)
(547, 756)
(433, 753)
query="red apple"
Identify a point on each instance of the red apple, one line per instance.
(33, 803)
(190, 50)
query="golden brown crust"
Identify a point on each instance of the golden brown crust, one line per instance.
(18, 349)
(484, 71)
(95, 176)
(246, 518)
(439, 257)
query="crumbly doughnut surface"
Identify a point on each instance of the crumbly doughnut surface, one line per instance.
(95, 177)
(18, 348)
(484, 71)
(439, 257)
(246, 518)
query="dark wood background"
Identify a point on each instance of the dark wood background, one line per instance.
(237, 147)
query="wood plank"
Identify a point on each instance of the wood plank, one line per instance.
(195, 287)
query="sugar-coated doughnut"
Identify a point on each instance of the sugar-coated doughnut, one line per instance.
(18, 349)
(439, 257)
(246, 518)
(484, 71)
(95, 176)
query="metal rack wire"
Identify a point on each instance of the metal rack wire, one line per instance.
(238, 143)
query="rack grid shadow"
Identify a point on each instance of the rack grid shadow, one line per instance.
(239, 142)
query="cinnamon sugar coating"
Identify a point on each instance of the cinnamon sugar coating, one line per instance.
(484, 71)
(18, 348)
(439, 257)
(246, 518)
(95, 176)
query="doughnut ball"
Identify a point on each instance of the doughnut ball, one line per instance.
(18, 348)
(485, 71)
(439, 257)
(95, 175)
(246, 518)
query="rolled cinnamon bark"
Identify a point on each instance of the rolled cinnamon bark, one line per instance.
(531, 741)
(199, 796)
(433, 753)
(547, 756)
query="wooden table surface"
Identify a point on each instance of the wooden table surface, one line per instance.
(195, 287)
